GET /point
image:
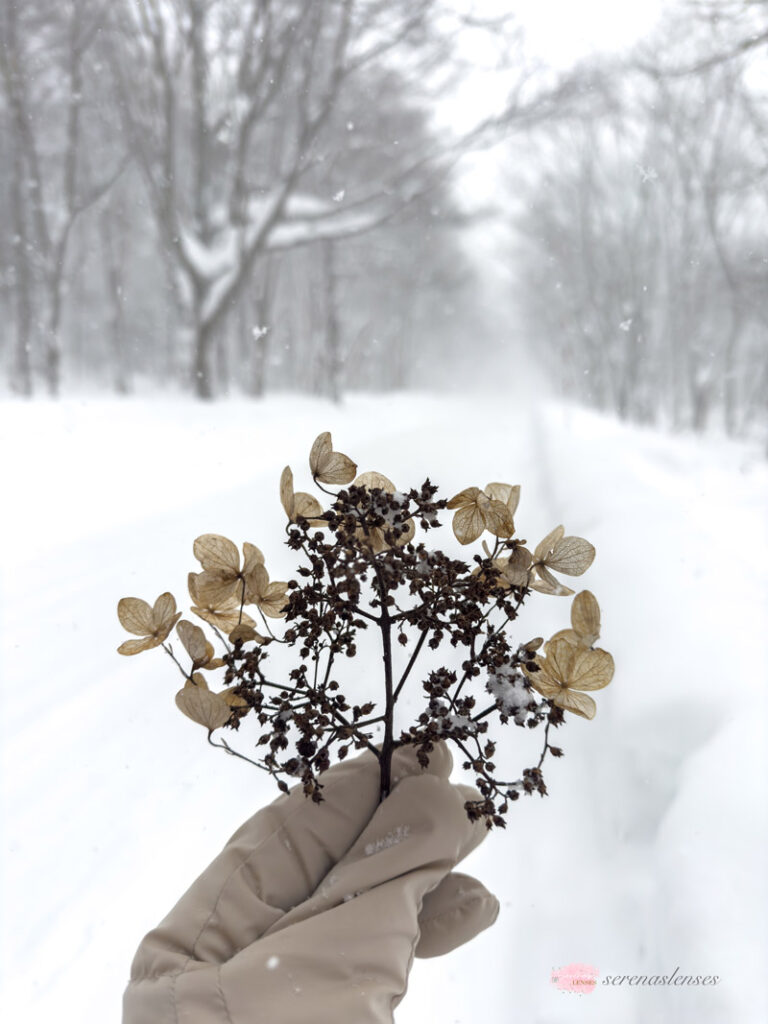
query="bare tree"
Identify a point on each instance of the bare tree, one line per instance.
(230, 106)
(636, 269)
(42, 66)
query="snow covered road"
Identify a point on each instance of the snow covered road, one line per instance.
(649, 852)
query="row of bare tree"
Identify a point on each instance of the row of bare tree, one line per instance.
(232, 195)
(226, 193)
(642, 236)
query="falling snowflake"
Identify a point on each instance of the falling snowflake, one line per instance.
(647, 173)
(339, 195)
(626, 324)
(259, 332)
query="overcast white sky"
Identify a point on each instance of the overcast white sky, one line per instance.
(561, 31)
(558, 32)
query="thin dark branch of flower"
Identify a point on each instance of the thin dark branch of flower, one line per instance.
(361, 550)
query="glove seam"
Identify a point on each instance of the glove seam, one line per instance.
(174, 1001)
(220, 990)
(234, 871)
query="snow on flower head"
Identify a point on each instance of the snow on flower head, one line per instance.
(513, 697)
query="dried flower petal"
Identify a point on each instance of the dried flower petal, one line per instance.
(224, 615)
(137, 646)
(299, 503)
(565, 669)
(468, 524)
(477, 511)
(591, 669)
(328, 466)
(247, 634)
(270, 598)
(216, 553)
(153, 624)
(194, 641)
(546, 546)
(466, 497)
(135, 615)
(371, 480)
(571, 555)
(252, 556)
(202, 706)
(234, 700)
(545, 583)
(507, 494)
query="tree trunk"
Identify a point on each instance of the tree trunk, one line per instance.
(202, 341)
(21, 379)
(112, 235)
(260, 331)
(334, 363)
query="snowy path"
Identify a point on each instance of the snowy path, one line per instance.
(647, 855)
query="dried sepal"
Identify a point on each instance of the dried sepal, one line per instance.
(371, 480)
(216, 553)
(252, 556)
(233, 700)
(564, 671)
(328, 466)
(136, 646)
(151, 623)
(466, 497)
(246, 634)
(585, 616)
(135, 615)
(197, 702)
(194, 641)
(507, 494)
(224, 615)
(585, 621)
(569, 555)
(222, 577)
(298, 503)
(476, 511)
(515, 570)
(197, 646)
(545, 583)
(224, 618)
(286, 491)
(468, 524)
(546, 546)
(270, 598)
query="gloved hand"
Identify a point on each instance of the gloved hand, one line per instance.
(312, 913)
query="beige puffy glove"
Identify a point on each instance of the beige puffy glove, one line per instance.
(313, 913)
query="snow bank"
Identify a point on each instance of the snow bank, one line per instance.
(648, 854)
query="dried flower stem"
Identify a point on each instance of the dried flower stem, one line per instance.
(359, 551)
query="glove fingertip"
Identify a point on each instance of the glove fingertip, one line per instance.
(453, 913)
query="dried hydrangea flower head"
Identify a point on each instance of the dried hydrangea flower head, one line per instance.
(363, 563)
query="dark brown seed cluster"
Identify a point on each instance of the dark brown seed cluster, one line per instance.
(363, 571)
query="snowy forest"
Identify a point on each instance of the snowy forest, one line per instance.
(222, 198)
(519, 241)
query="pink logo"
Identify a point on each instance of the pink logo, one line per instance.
(579, 978)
